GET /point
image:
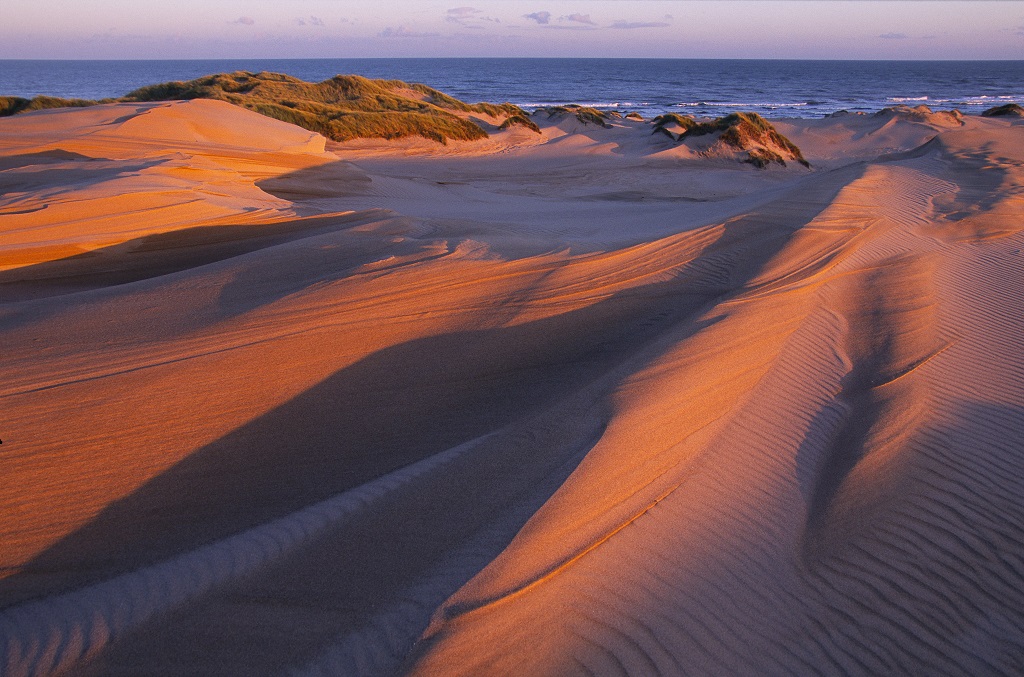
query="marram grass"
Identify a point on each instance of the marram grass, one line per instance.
(342, 108)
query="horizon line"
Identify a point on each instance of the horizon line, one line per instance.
(523, 58)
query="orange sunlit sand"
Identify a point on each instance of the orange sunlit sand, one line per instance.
(588, 401)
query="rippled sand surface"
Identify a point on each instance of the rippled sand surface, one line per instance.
(582, 402)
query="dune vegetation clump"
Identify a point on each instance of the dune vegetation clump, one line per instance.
(518, 119)
(634, 116)
(924, 114)
(584, 114)
(342, 108)
(751, 133)
(1006, 110)
(11, 105)
(673, 125)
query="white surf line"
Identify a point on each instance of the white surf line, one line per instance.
(51, 635)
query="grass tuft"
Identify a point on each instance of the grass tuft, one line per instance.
(685, 122)
(12, 105)
(513, 120)
(584, 114)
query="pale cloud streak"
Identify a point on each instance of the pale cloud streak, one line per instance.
(403, 32)
(578, 18)
(630, 25)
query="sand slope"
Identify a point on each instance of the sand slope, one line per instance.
(569, 403)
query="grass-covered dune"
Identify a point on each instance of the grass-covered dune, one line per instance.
(349, 107)
(747, 132)
(1006, 110)
(342, 108)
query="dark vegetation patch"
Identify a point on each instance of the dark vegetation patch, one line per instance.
(1006, 110)
(684, 121)
(11, 105)
(663, 122)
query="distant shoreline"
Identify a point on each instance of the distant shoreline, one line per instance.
(776, 88)
(522, 58)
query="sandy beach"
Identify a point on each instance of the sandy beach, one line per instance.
(588, 401)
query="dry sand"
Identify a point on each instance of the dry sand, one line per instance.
(574, 403)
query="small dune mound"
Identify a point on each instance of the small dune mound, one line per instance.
(584, 114)
(521, 120)
(745, 133)
(634, 116)
(1010, 110)
(673, 125)
(922, 113)
(12, 105)
(342, 108)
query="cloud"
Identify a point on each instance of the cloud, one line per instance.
(402, 32)
(539, 17)
(316, 21)
(577, 18)
(243, 21)
(628, 25)
(894, 36)
(462, 16)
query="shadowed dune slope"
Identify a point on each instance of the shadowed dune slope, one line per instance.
(567, 403)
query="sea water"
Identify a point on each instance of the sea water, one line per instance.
(700, 87)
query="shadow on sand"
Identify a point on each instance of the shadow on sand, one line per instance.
(396, 407)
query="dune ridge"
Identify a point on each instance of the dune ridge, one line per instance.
(582, 401)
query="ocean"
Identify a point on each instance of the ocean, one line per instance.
(700, 87)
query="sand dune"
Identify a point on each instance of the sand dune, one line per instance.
(582, 402)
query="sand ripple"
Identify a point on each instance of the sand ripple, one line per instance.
(275, 409)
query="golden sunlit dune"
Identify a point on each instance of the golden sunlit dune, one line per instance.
(588, 401)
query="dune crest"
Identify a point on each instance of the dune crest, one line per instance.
(573, 400)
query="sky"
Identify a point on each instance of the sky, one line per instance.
(793, 29)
